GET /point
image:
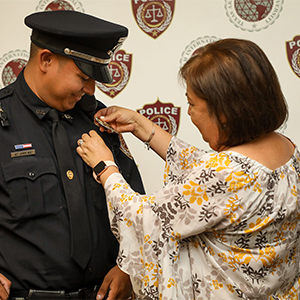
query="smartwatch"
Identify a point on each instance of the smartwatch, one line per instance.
(102, 166)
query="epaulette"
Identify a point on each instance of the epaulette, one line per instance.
(6, 92)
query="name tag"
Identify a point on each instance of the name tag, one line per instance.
(22, 153)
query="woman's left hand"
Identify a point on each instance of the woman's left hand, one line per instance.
(92, 149)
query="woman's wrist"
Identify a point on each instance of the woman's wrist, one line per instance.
(144, 129)
(104, 176)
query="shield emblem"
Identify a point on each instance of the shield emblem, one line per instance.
(153, 16)
(165, 115)
(120, 68)
(293, 54)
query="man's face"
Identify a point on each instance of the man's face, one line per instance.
(65, 84)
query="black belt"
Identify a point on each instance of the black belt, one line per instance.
(85, 293)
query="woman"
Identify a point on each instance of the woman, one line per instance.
(226, 224)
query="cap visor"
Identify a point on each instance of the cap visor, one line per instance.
(97, 72)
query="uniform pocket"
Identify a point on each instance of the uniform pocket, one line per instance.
(32, 186)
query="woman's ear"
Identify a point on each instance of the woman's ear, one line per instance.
(45, 60)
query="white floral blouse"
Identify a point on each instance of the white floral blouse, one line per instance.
(222, 227)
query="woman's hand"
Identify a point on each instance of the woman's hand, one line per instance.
(121, 119)
(92, 149)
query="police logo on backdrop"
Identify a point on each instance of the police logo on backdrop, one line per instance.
(165, 115)
(253, 15)
(153, 16)
(195, 45)
(59, 5)
(293, 54)
(120, 68)
(11, 64)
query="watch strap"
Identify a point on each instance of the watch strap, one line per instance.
(102, 166)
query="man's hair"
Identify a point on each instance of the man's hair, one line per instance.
(34, 49)
(238, 82)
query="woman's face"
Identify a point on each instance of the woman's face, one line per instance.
(202, 119)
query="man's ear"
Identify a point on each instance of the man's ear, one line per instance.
(45, 59)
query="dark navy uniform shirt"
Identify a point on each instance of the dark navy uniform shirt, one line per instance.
(34, 224)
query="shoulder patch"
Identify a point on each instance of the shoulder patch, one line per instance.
(6, 92)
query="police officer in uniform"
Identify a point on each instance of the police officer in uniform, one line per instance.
(46, 252)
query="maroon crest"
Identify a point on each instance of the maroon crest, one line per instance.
(253, 10)
(153, 16)
(120, 68)
(53, 5)
(59, 5)
(165, 115)
(11, 64)
(293, 54)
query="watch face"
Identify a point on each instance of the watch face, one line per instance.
(99, 168)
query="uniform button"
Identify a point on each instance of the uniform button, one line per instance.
(31, 174)
(91, 270)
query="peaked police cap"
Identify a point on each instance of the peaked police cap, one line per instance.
(89, 41)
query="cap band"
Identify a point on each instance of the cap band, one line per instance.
(85, 56)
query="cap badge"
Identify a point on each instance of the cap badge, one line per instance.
(86, 56)
(117, 47)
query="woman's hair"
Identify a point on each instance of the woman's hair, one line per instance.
(239, 84)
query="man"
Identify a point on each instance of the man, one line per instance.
(56, 242)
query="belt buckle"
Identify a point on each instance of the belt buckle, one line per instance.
(40, 294)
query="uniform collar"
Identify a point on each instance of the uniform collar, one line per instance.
(32, 101)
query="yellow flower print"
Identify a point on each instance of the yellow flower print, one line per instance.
(146, 280)
(166, 173)
(116, 186)
(232, 207)
(140, 210)
(211, 251)
(128, 222)
(238, 180)
(257, 188)
(196, 192)
(149, 266)
(148, 198)
(267, 256)
(223, 257)
(171, 282)
(217, 285)
(184, 161)
(294, 191)
(219, 235)
(125, 197)
(147, 239)
(157, 272)
(259, 225)
(175, 236)
(230, 288)
(218, 161)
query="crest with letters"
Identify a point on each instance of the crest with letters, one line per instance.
(165, 115)
(120, 68)
(11, 64)
(253, 15)
(293, 54)
(153, 16)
